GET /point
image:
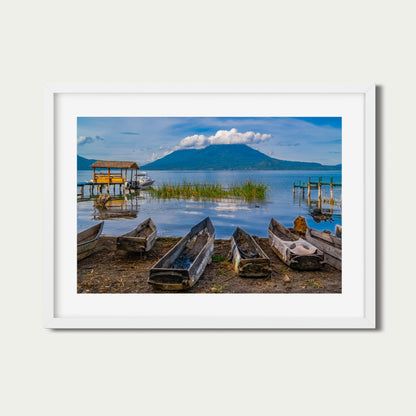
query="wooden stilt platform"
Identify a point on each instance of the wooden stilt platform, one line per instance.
(98, 188)
(116, 174)
(316, 185)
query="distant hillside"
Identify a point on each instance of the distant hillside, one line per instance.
(229, 157)
(84, 164)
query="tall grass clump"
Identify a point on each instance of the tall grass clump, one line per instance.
(247, 190)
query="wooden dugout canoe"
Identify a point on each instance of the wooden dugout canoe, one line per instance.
(248, 259)
(329, 244)
(139, 240)
(87, 240)
(184, 264)
(292, 250)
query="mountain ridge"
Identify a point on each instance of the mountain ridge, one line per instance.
(229, 157)
(83, 163)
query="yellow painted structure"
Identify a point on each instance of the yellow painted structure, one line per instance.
(117, 172)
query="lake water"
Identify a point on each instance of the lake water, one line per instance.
(175, 217)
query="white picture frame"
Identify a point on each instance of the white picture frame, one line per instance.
(355, 307)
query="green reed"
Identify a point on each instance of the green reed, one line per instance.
(247, 190)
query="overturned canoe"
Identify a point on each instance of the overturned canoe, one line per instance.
(329, 244)
(248, 258)
(184, 264)
(292, 250)
(139, 240)
(87, 240)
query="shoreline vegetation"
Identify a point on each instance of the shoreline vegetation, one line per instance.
(248, 190)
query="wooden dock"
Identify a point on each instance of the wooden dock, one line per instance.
(318, 185)
(107, 174)
(97, 188)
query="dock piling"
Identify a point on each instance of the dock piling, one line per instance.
(316, 185)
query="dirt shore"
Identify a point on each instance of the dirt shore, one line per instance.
(110, 271)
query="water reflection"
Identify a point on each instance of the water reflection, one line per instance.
(120, 206)
(232, 206)
(319, 215)
(323, 209)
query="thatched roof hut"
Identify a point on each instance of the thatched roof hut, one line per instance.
(113, 177)
(106, 164)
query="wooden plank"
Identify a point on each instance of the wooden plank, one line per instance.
(332, 253)
(325, 247)
(337, 242)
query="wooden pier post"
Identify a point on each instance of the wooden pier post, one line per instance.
(294, 190)
(319, 191)
(332, 192)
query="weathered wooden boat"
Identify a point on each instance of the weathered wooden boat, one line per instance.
(292, 250)
(184, 264)
(87, 240)
(248, 259)
(139, 240)
(331, 246)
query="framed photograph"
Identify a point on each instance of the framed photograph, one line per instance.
(209, 206)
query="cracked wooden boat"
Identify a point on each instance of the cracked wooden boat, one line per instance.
(185, 263)
(139, 240)
(87, 240)
(330, 244)
(296, 252)
(248, 259)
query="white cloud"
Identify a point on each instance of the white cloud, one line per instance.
(222, 137)
(152, 158)
(81, 140)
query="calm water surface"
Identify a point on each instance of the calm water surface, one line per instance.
(176, 217)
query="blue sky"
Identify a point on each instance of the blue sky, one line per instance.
(144, 139)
